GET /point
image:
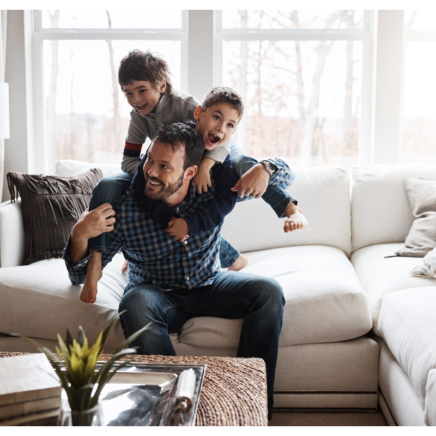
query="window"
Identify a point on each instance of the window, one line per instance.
(301, 76)
(419, 110)
(85, 113)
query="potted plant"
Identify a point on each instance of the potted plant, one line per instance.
(77, 372)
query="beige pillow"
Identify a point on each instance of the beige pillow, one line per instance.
(422, 199)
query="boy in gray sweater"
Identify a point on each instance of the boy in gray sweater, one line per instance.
(146, 83)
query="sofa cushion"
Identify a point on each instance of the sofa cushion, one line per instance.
(430, 399)
(380, 276)
(71, 167)
(323, 193)
(50, 206)
(380, 211)
(407, 324)
(324, 301)
(39, 301)
(422, 236)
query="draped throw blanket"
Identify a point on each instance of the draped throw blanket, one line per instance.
(50, 206)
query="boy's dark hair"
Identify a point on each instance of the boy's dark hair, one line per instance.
(221, 94)
(144, 66)
(178, 134)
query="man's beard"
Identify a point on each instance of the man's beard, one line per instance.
(165, 191)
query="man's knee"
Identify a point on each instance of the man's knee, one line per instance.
(139, 304)
(270, 292)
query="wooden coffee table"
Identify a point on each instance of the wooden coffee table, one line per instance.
(233, 393)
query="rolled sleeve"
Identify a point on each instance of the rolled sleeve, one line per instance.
(76, 272)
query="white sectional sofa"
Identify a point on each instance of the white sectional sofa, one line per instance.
(354, 320)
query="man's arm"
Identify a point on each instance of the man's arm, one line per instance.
(76, 253)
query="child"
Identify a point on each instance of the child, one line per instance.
(145, 80)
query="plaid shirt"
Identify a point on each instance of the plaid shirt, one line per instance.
(154, 256)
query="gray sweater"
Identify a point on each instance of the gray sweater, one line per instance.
(170, 109)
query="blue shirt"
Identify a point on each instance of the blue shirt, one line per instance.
(154, 256)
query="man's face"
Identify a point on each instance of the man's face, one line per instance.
(163, 170)
(216, 124)
(143, 95)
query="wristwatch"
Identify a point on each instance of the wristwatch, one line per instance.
(270, 168)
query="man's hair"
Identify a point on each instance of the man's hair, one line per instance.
(144, 66)
(179, 134)
(221, 94)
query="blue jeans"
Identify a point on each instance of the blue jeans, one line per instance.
(258, 300)
(107, 190)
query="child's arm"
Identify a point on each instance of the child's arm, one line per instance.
(217, 203)
(217, 155)
(138, 132)
(202, 179)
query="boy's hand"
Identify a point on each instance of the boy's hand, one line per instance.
(253, 183)
(178, 228)
(202, 178)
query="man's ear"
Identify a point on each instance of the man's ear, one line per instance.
(190, 172)
(197, 113)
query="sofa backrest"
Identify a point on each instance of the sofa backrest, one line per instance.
(323, 193)
(380, 210)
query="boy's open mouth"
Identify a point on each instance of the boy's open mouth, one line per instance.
(141, 107)
(213, 139)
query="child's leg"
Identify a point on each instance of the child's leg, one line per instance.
(230, 257)
(275, 195)
(108, 190)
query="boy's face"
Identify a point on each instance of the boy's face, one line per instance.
(143, 96)
(216, 124)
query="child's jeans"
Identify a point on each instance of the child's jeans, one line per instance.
(111, 189)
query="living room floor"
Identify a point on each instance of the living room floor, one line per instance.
(328, 419)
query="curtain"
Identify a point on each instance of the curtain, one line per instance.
(3, 21)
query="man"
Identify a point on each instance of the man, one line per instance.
(171, 281)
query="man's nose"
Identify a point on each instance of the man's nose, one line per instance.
(152, 172)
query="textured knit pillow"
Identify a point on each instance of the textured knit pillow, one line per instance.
(422, 235)
(50, 206)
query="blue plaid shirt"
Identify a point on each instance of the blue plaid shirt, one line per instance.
(154, 256)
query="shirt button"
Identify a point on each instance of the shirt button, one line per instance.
(187, 278)
(177, 209)
(185, 242)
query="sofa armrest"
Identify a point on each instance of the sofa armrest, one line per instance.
(11, 234)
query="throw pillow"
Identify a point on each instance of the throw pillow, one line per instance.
(50, 206)
(422, 235)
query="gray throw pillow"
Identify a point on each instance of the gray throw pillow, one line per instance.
(50, 206)
(422, 235)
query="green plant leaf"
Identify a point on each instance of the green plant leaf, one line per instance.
(81, 336)
(68, 339)
(132, 338)
(109, 327)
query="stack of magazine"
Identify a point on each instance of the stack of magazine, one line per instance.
(29, 389)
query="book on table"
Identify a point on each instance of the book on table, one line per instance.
(28, 384)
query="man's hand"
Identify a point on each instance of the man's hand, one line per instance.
(89, 225)
(202, 178)
(94, 223)
(178, 228)
(253, 183)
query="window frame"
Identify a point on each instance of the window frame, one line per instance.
(365, 34)
(43, 161)
(410, 35)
